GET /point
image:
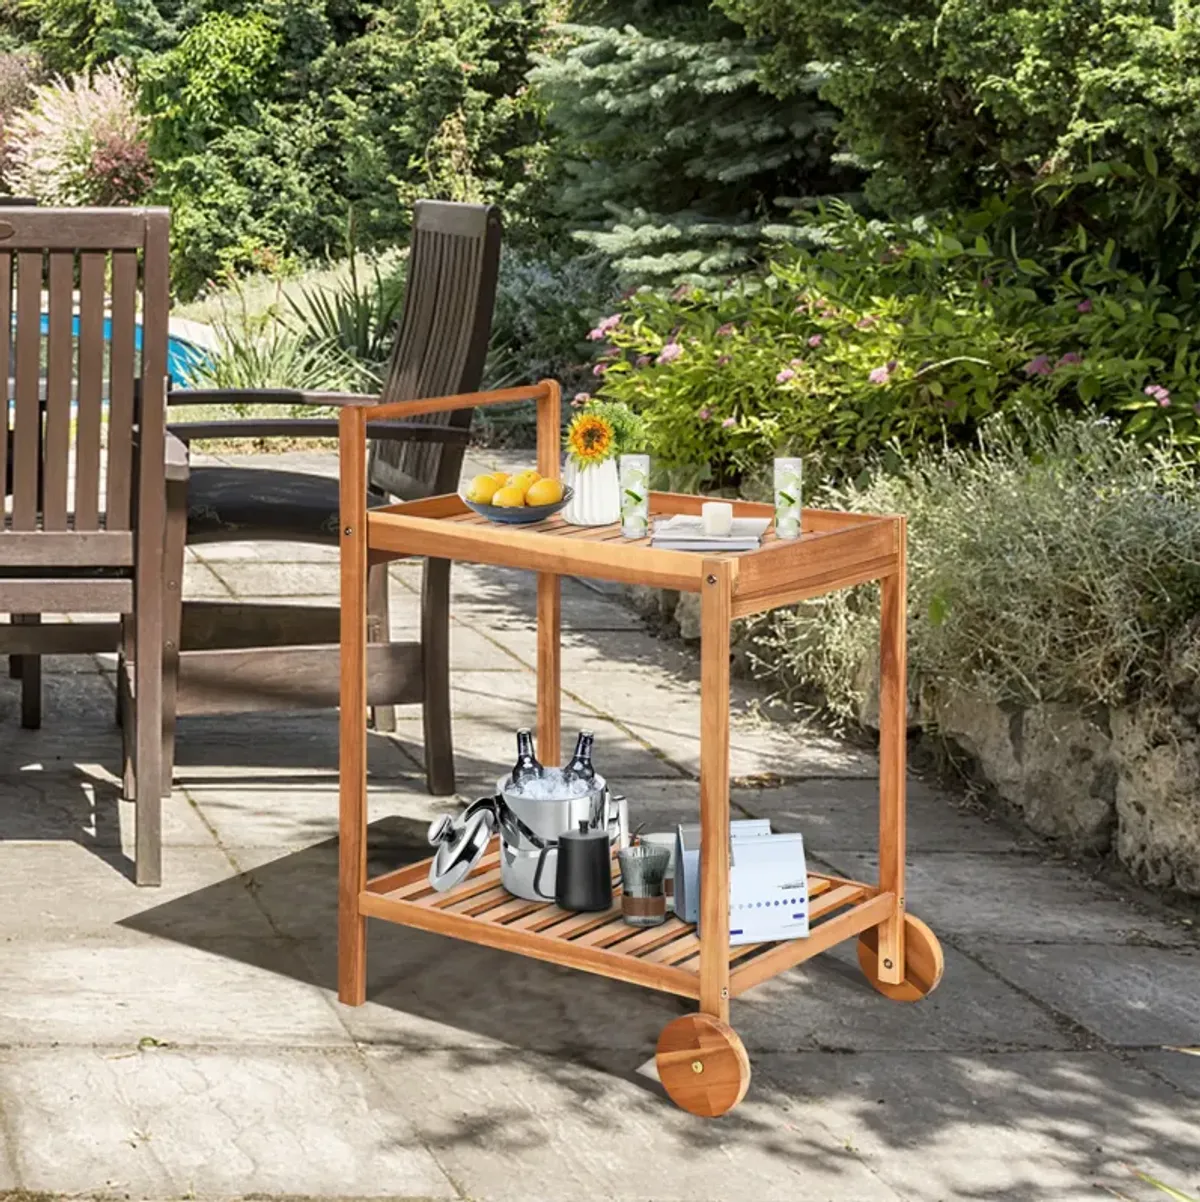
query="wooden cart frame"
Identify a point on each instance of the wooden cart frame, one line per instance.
(701, 1061)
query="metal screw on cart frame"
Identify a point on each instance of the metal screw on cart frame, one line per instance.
(697, 1066)
(712, 580)
(347, 532)
(724, 992)
(887, 964)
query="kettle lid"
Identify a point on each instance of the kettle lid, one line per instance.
(585, 832)
(460, 844)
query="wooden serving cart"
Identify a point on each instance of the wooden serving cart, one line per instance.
(701, 1061)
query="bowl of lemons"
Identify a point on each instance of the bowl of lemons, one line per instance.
(518, 499)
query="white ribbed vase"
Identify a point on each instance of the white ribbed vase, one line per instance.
(597, 499)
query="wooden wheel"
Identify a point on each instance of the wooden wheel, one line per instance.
(703, 1065)
(923, 961)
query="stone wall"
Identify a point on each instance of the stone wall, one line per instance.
(1122, 780)
(1125, 781)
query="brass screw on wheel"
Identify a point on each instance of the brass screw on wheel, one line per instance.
(923, 962)
(702, 1065)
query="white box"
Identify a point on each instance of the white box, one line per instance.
(768, 882)
(768, 889)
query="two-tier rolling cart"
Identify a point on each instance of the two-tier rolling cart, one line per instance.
(701, 1061)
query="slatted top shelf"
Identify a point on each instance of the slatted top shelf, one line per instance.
(835, 549)
(481, 910)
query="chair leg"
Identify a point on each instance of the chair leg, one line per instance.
(148, 718)
(29, 672)
(379, 626)
(173, 553)
(124, 708)
(435, 661)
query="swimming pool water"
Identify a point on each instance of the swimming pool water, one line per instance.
(183, 357)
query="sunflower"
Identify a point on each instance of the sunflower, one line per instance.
(590, 439)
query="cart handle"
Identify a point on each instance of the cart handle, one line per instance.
(352, 419)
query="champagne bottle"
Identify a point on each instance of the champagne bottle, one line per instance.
(527, 767)
(580, 767)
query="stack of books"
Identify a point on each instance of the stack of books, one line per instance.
(685, 533)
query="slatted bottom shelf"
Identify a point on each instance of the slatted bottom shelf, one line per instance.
(665, 957)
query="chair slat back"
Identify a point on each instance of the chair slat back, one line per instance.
(83, 309)
(442, 337)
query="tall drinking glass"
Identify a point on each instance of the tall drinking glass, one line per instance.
(635, 495)
(788, 474)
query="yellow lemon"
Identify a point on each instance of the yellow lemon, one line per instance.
(544, 492)
(501, 478)
(523, 480)
(482, 490)
(509, 497)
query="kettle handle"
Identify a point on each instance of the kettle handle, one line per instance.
(537, 876)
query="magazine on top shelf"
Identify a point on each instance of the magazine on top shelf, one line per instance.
(686, 533)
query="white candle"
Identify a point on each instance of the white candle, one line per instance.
(717, 517)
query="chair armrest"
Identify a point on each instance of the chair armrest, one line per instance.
(175, 458)
(316, 427)
(266, 396)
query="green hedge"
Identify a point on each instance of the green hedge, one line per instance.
(890, 339)
(1062, 565)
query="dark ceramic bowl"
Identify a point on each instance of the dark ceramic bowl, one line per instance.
(524, 515)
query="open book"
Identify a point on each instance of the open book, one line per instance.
(686, 533)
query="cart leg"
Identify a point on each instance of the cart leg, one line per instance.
(716, 603)
(549, 683)
(893, 729)
(352, 718)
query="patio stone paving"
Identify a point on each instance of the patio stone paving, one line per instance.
(187, 1042)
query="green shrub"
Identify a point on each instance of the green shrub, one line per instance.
(353, 318)
(266, 354)
(1087, 105)
(899, 336)
(545, 304)
(1061, 565)
(668, 155)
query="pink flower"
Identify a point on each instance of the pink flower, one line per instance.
(1159, 393)
(599, 369)
(815, 340)
(1084, 306)
(729, 423)
(1069, 358)
(784, 376)
(722, 360)
(581, 398)
(595, 335)
(727, 329)
(680, 292)
(986, 282)
(878, 375)
(1038, 366)
(865, 323)
(704, 414)
(669, 353)
(642, 360)
(797, 362)
(610, 323)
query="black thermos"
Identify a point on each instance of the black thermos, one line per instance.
(584, 878)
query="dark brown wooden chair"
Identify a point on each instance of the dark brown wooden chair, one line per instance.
(83, 476)
(238, 658)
